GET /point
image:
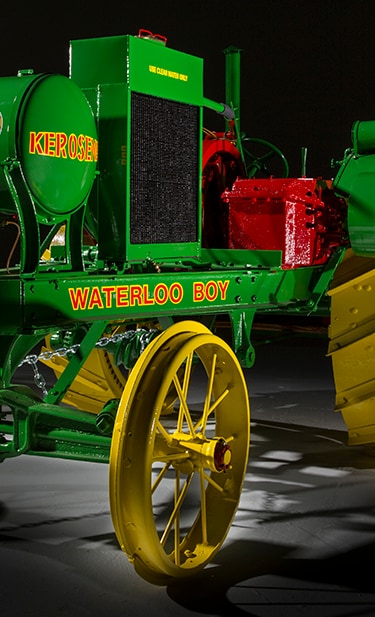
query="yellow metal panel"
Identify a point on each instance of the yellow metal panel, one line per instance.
(354, 365)
(352, 346)
(352, 310)
(359, 418)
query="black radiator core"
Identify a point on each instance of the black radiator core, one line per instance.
(164, 172)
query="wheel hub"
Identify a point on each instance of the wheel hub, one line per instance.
(214, 454)
(222, 455)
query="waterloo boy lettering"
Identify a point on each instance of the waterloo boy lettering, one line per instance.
(119, 296)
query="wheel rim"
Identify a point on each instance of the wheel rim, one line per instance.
(176, 479)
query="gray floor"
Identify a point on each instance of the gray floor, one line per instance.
(301, 544)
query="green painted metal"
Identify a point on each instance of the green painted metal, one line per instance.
(12, 93)
(95, 255)
(61, 301)
(120, 66)
(39, 428)
(233, 82)
(232, 78)
(48, 155)
(161, 71)
(143, 65)
(355, 181)
(52, 137)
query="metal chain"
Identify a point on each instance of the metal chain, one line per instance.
(62, 352)
(39, 380)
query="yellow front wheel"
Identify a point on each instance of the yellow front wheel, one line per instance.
(176, 479)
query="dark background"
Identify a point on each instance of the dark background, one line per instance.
(307, 66)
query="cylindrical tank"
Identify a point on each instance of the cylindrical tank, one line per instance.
(47, 128)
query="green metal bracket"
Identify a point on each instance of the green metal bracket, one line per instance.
(27, 219)
(242, 322)
(323, 282)
(57, 393)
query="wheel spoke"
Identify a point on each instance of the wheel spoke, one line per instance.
(206, 409)
(203, 420)
(160, 476)
(179, 498)
(182, 394)
(163, 431)
(187, 375)
(213, 483)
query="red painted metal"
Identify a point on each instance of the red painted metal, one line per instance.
(297, 216)
(219, 144)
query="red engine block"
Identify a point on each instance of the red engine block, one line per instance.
(301, 217)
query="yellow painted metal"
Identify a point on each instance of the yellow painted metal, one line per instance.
(170, 504)
(98, 381)
(352, 346)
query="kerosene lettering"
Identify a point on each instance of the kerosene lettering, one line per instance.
(61, 141)
(36, 144)
(50, 143)
(72, 146)
(61, 145)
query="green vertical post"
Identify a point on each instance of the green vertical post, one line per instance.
(232, 81)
